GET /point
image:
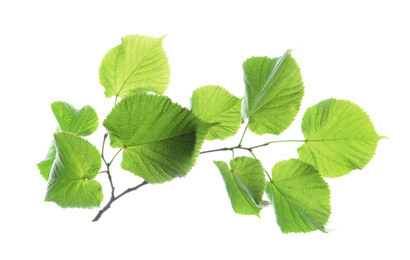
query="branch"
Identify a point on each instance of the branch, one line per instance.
(248, 148)
(113, 198)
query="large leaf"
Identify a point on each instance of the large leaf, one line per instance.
(245, 183)
(339, 137)
(214, 104)
(300, 197)
(138, 63)
(82, 122)
(273, 93)
(161, 140)
(71, 183)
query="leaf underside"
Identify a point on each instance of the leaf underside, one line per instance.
(160, 139)
(245, 183)
(339, 137)
(138, 63)
(82, 122)
(214, 104)
(273, 93)
(299, 196)
(71, 183)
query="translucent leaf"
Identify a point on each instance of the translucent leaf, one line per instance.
(245, 183)
(273, 93)
(138, 63)
(71, 183)
(214, 104)
(82, 122)
(300, 197)
(161, 140)
(339, 137)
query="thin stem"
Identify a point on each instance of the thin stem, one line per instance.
(115, 156)
(283, 141)
(218, 150)
(243, 135)
(108, 166)
(102, 150)
(267, 174)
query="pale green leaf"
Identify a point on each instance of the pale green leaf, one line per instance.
(138, 63)
(82, 122)
(299, 196)
(71, 183)
(339, 137)
(245, 183)
(160, 139)
(214, 104)
(273, 93)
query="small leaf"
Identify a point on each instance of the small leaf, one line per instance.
(71, 182)
(214, 104)
(273, 93)
(245, 183)
(160, 139)
(339, 137)
(138, 63)
(300, 197)
(82, 121)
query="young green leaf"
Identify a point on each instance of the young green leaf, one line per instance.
(71, 183)
(160, 139)
(138, 63)
(82, 122)
(273, 93)
(245, 183)
(299, 196)
(339, 137)
(214, 104)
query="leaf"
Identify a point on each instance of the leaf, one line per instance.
(160, 139)
(82, 121)
(300, 197)
(138, 63)
(339, 137)
(245, 183)
(214, 104)
(71, 182)
(273, 93)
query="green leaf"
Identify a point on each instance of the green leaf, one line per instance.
(138, 63)
(214, 104)
(245, 183)
(300, 197)
(339, 137)
(160, 139)
(71, 183)
(82, 122)
(273, 93)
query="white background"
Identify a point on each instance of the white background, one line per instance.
(348, 50)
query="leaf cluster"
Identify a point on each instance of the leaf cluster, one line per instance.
(160, 140)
